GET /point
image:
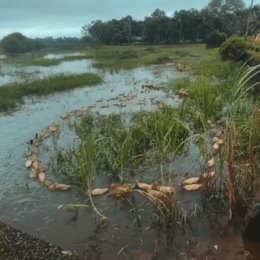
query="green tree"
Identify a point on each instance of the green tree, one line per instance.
(15, 43)
(215, 39)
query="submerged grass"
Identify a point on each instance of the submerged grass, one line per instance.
(219, 91)
(12, 94)
(122, 146)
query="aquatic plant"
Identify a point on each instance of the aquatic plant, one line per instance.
(13, 94)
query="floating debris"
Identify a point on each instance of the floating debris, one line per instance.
(42, 177)
(215, 139)
(183, 93)
(208, 175)
(215, 146)
(28, 163)
(220, 142)
(183, 67)
(122, 190)
(190, 181)
(210, 163)
(54, 128)
(143, 186)
(97, 191)
(193, 187)
(61, 186)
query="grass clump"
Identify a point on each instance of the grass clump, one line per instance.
(122, 145)
(12, 94)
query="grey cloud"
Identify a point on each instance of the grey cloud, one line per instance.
(56, 14)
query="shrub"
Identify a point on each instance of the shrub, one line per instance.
(215, 39)
(234, 48)
(16, 43)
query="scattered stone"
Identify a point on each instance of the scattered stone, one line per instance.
(191, 181)
(143, 186)
(54, 128)
(97, 191)
(183, 93)
(220, 142)
(35, 165)
(210, 163)
(215, 146)
(28, 163)
(42, 177)
(192, 187)
(61, 186)
(208, 175)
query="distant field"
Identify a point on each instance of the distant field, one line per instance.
(131, 56)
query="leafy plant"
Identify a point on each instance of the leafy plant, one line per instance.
(234, 48)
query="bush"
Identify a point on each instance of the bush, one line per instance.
(234, 48)
(215, 39)
(16, 43)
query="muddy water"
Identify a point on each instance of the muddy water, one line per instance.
(23, 202)
(26, 205)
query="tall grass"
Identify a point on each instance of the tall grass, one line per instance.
(12, 94)
(123, 146)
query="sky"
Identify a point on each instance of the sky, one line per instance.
(61, 18)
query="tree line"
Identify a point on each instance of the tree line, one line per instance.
(16, 43)
(227, 16)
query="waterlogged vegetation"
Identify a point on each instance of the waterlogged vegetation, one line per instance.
(119, 143)
(136, 152)
(219, 114)
(12, 95)
(106, 57)
(128, 57)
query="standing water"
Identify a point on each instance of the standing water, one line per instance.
(26, 205)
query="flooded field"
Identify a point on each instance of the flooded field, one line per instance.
(25, 204)
(10, 73)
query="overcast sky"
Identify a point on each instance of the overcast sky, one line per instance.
(41, 18)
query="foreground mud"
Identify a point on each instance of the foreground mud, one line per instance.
(17, 245)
